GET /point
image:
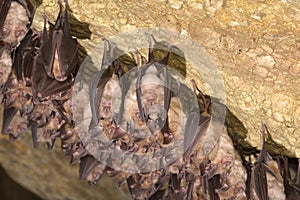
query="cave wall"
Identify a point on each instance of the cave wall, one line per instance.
(255, 46)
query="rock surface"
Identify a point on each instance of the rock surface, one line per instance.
(255, 47)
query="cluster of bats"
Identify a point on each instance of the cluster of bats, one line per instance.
(147, 129)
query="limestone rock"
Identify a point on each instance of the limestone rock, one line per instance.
(256, 49)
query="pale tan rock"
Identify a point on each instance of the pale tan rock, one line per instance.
(236, 35)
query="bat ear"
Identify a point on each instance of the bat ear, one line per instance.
(264, 156)
(150, 54)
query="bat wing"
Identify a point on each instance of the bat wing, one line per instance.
(259, 181)
(61, 47)
(23, 57)
(8, 115)
(98, 83)
(43, 85)
(192, 138)
(258, 174)
(30, 9)
(213, 185)
(87, 164)
(4, 7)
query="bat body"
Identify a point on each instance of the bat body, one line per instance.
(14, 20)
(266, 181)
(33, 90)
(292, 185)
(105, 99)
(57, 62)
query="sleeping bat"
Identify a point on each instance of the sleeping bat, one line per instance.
(105, 90)
(202, 131)
(147, 98)
(291, 185)
(91, 169)
(15, 20)
(105, 99)
(209, 150)
(57, 61)
(16, 93)
(266, 181)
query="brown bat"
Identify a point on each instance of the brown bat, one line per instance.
(266, 181)
(148, 94)
(105, 99)
(16, 93)
(4, 7)
(292, 186)
(58, 60)
(91, 169)
(15, 20)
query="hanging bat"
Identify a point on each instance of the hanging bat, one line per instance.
(58, 60)
(202, 131)
(266, 181)
(16, 18)
(105, 90)
(105, 99)
(16, 93)
(4, 7)
(151, 97)
(291, 185)
(91, 169)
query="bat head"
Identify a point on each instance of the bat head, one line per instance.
(15, 25)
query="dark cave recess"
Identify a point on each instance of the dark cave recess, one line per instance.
(10, 190)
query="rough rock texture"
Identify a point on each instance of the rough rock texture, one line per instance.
(254, 44)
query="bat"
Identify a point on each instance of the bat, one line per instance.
(292, 186)
(16, 18)
(105, 90)
(57, 61)
(16, 95)
(4, 7)
(13, 125)
(90, 169)
(265, 176)
(230, 168)
(105, 99)
(202, 131)
(143, 72)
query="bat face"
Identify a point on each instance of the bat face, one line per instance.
(15, 25)
(110, 101)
